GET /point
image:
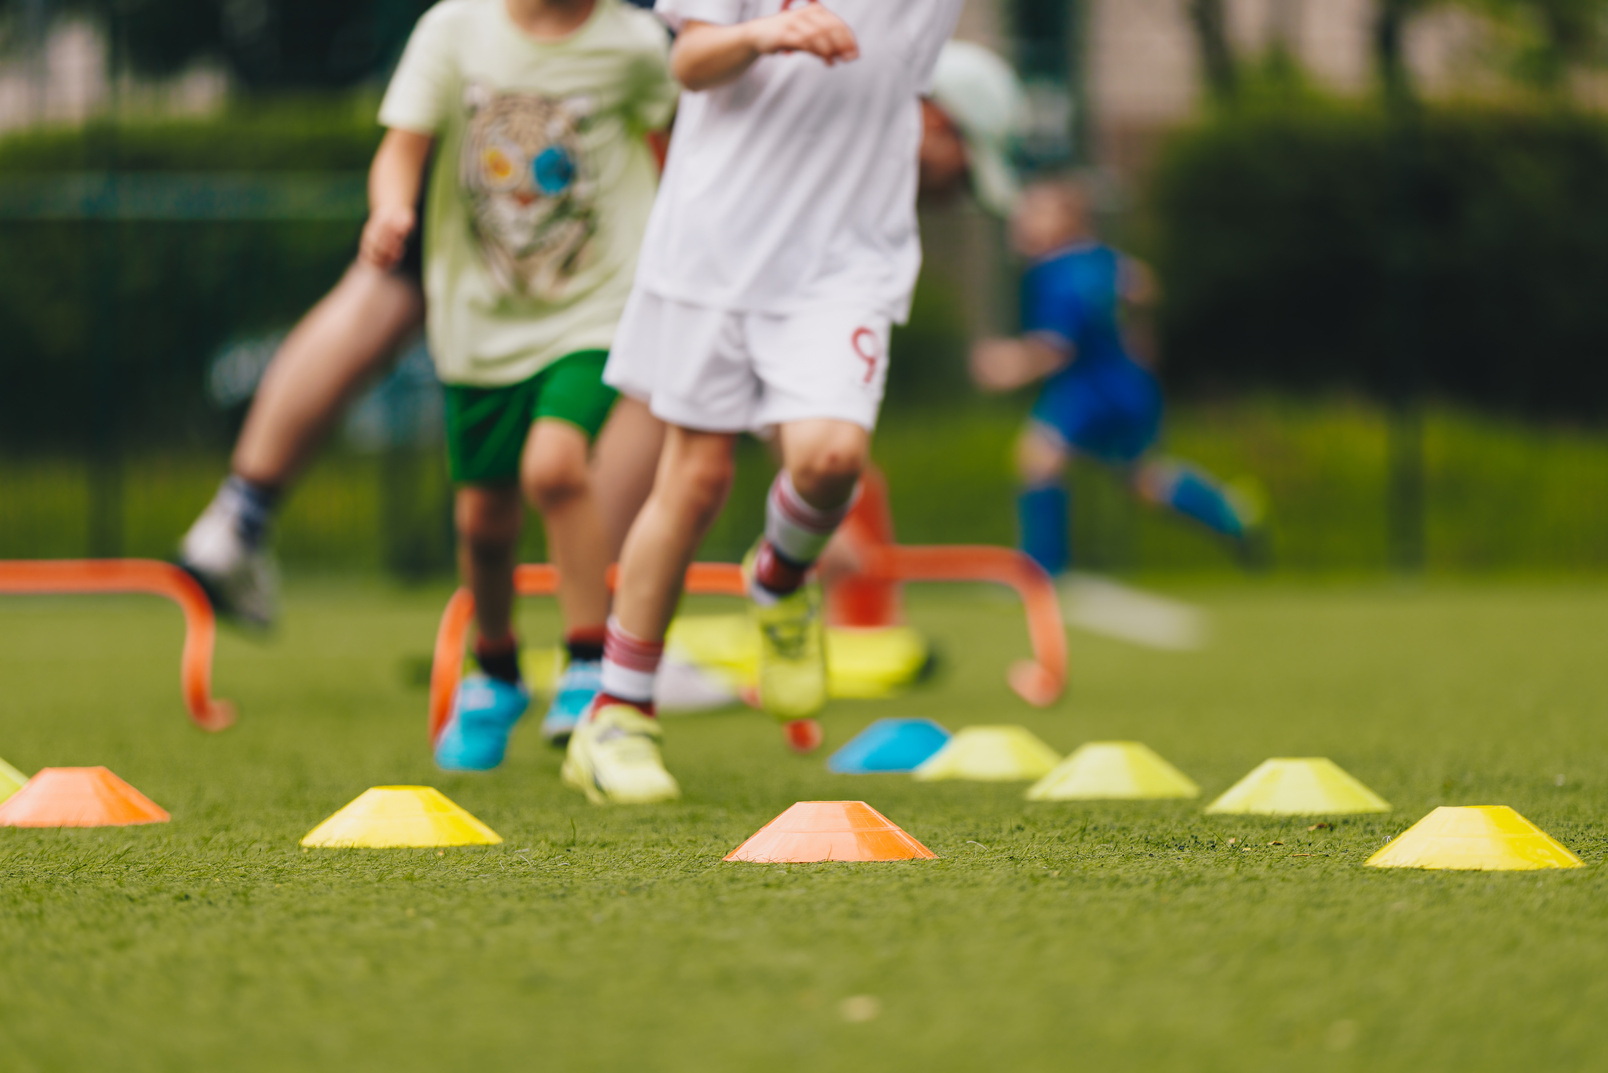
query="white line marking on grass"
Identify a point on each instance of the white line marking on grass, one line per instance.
(1108, 608)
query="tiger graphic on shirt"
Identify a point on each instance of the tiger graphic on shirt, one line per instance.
(530, 191)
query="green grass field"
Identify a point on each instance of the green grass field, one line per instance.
(1046, 937)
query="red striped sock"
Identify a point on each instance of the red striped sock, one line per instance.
(799, 531)
(645, 707)
(630, 665)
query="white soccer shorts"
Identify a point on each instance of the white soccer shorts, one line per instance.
(720, 371)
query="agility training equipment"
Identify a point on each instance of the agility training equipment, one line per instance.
(391, 817)
(1112, 770)
(889, 745)
(712, 661)
(1038, 681)
(1305, 786)
(1490, 838)
(990, 754)
(867, 663)
(45, 577)
(830, 831)
(78, 797)
(11, 780)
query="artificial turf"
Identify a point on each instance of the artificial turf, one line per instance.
(1046, 936)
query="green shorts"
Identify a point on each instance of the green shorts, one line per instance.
(487, 426)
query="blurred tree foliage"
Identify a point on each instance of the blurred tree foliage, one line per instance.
(1540, 42)
(1275, 237)
(265, 44)
(1209, 21)
(1550, 40)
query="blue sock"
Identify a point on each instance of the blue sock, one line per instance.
(1044, 515)
(1196, 497)
(253, 505)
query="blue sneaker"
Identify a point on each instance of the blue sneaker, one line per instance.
(484, 711)
(582, 681)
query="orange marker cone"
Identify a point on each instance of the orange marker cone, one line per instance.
(830, 831)
(78, 797)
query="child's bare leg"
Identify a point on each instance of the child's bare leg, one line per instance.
(348, 338)
(825, 458)
(486, 706)
(558, 482)
(822, 460)
(694, 478)
(614, 752)
(623, 463)
(488, 535)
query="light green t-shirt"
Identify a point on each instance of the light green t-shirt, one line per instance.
(541, 183)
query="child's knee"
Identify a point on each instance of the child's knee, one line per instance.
(487, 520)
(1039, 458)
(831, 464)
(1154, 480)
(554, 479)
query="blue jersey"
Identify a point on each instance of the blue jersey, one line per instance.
(1071, 299)
(1103, 404)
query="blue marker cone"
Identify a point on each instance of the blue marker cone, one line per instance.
(889, 745)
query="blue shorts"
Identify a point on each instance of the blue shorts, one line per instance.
(1111, 410)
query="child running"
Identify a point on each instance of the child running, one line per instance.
(534, 111)
(1096, 400)
(781, 250)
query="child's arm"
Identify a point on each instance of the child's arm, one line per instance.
(394, 182)
(708, 55)
(1007, 364)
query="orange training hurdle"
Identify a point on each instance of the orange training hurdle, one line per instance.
(1038, 681)
(52, 576)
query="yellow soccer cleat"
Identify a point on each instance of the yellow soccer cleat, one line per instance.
(792, 651)
(613, 756)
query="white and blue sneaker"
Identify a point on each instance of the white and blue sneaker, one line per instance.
(582, 680)
(484, 711)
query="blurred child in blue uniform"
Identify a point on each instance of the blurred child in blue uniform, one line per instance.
(1097, 400)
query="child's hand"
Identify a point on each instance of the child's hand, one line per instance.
(385, 236)
(1007, 364)
(810, 28)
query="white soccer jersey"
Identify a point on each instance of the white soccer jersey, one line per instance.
(794, 187)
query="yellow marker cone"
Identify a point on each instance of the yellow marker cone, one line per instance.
(1112, 770)
(1304, 786)
(394, 816)
(11, 780)
(1491, 838)
(990, 754)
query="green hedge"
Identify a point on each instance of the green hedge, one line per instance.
(120, 319)
(1278, 228)
(308, 134)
